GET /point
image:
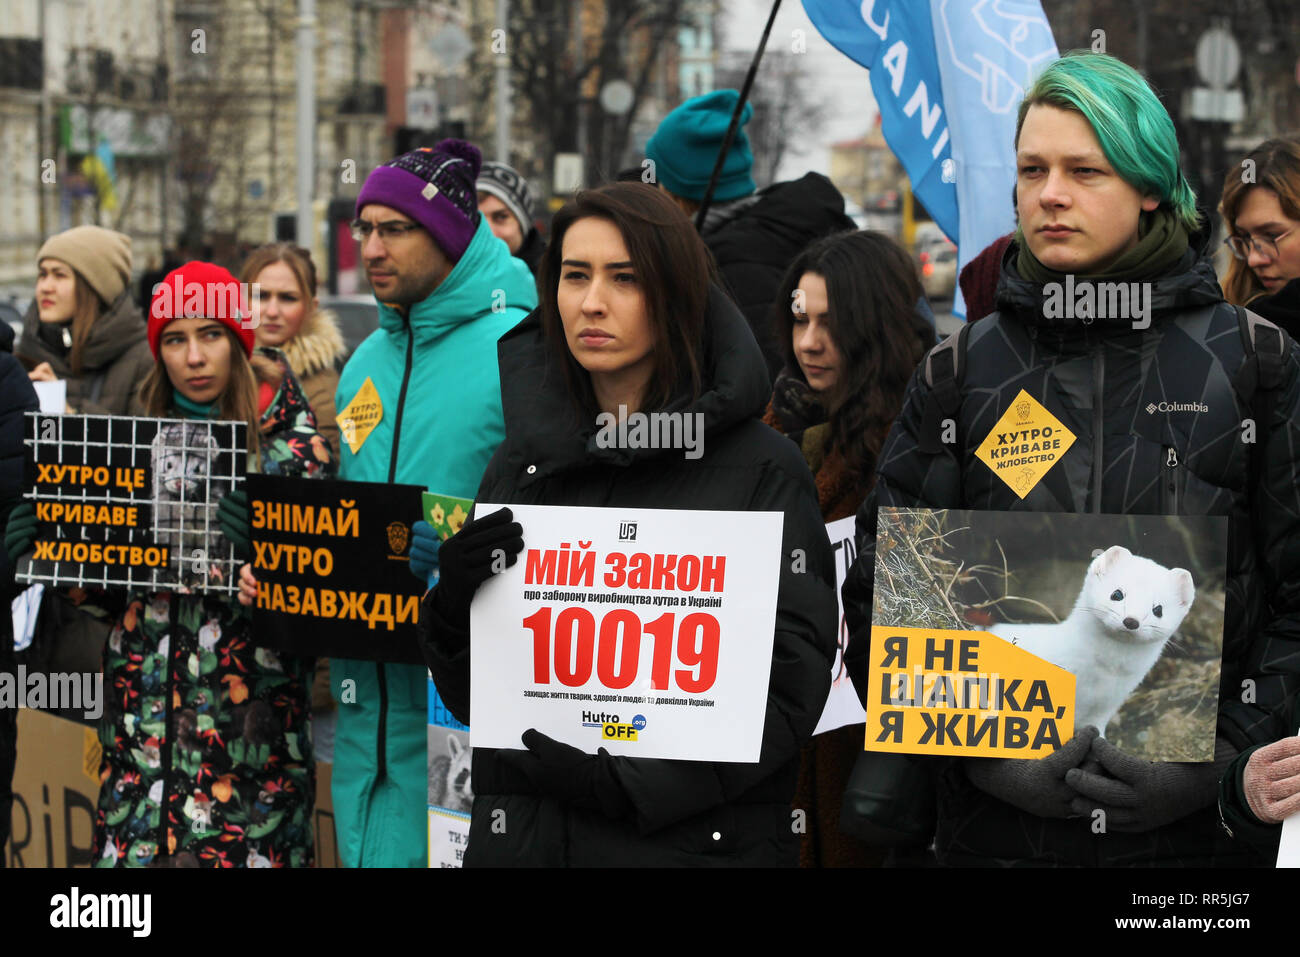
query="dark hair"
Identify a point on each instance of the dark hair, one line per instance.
(872, 289)
(673, 268)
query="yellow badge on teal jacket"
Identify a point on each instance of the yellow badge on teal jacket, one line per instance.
(360, 416)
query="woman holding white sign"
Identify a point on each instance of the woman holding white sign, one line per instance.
(630, 323)
(846, 314)
(83, 326)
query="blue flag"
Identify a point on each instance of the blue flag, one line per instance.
(948, 76)
(894, 40)
(989, 53)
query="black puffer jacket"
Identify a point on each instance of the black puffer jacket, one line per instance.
(754, 249)
(16, 397)
(679, 805)
(1102, 381)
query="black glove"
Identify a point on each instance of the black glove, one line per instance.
(1140, 795)
(20, 531)
(1035, 785)
(232, 516)
(564, 772)
(467, 560)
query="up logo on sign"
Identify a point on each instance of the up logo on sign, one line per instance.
(627, 531)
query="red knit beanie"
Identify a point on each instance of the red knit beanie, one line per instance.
(199, 290)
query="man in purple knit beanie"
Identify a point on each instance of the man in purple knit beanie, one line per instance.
(419, 404)
(430, 188)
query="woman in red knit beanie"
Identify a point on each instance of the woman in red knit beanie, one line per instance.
(207, 751)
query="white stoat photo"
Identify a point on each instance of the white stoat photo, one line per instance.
(1127, 610)
(1131, 605)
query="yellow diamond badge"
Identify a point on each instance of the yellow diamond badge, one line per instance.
(1026, 442)
(359, 418)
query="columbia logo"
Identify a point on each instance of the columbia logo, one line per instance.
(1151, 407)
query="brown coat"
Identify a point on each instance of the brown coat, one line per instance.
(114, 361)
(313, 355)
(827, 760)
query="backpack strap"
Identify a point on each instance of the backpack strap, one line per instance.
(1261, 372)
(944, 372)
(1257, 381)
(1265, 344)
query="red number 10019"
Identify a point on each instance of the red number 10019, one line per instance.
(576, 646)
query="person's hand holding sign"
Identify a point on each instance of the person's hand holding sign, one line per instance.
(232, 517)
(247, 586)
(560, 771)
(479, 550)
(20, 533)
(1039, 786)
(1139, 795)
(44, 372)
(424, 553)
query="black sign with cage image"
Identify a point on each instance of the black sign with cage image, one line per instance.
(131, 502)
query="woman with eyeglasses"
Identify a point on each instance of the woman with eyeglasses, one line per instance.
(1261, 210)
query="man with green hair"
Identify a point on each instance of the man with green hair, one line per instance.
(1100, 199)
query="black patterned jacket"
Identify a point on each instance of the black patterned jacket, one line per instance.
(1102, 379)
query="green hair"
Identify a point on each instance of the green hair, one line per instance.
(1132, 125)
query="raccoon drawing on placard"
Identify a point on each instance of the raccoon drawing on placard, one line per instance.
(1127, 610)
(449, 777)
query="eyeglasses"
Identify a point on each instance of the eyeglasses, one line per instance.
(388, 231)
(1241, 245)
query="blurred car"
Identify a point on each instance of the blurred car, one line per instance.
(14, 303)
(358, 317)
(937, 261)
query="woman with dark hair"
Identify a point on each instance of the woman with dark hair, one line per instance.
(846, 315)
(629, 321)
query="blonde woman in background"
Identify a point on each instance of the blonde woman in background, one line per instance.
(286, 317)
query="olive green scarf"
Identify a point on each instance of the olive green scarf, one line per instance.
(1162, 240)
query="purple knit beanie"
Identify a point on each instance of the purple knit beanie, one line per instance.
(435, 187)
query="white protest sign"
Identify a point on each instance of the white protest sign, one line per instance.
(644, 631)
(842, 704)
(53, 396)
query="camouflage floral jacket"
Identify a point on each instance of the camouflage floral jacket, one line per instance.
(207, 757)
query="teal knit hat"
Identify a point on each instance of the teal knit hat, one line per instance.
(686, 145)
